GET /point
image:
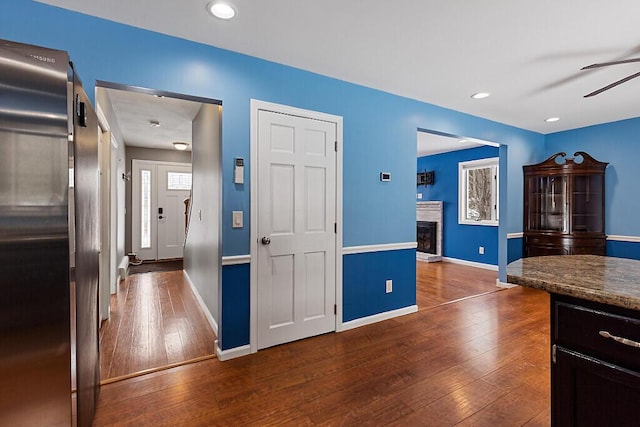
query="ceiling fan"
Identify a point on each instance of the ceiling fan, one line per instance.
(616, 83)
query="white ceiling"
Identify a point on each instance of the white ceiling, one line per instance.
(431, 143)
(528, 54)
(135, 111)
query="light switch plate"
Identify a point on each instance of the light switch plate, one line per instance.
(237, 219)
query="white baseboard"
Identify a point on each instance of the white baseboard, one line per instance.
(123, 268)
(203, 306)
(232, 353)
(470, 263)
(518, 235)
(352, 324)
(504, 284)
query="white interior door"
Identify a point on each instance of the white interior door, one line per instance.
(296, 228)
(158, 193)
(174, 185)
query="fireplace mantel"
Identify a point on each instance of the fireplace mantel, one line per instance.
(431, 211)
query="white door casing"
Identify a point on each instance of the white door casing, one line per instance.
(296, 270)
(165, 235)
(106, 268)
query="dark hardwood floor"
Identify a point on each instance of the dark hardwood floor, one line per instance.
(155, 321)
(444, 282)
(155, 266)
(481, 361)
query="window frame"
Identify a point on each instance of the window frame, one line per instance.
(463, 190)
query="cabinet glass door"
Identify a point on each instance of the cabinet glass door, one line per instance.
(587, 204)
(548, 203)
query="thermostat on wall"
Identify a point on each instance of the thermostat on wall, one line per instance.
(238, 171)
(385, 176)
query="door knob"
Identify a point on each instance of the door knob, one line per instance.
(266, 240)
(160, 217)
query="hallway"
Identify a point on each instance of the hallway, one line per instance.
(155, 321)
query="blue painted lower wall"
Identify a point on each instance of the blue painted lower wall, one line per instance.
(234, 327)
(363, 291)
(615, 248)
(620, 249)
(364, 277)
(514, 249)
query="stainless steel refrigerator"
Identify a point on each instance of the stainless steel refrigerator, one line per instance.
(49, 370)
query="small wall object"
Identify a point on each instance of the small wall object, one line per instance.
(426, 178)
(385, 176)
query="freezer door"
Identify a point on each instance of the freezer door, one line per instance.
(85, 139)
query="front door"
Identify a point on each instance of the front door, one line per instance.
(296, 228)
(174, 185)
(158, 219)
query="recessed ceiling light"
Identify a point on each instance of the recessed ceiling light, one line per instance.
(221, 10)
(181, 146)
(154, 123)
(480, 95)
(552, 119)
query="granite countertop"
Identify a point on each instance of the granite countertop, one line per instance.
(613, 281)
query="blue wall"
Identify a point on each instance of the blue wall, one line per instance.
(379, 128)
(619, 144)
(460, 241)
(234, 329)
(514, 249)
(367, 274)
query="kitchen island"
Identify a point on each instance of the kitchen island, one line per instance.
(595, 335)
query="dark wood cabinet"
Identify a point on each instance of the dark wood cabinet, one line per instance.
(564, 206)
(595, 379)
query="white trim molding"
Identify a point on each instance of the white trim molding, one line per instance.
(504, 285)
(203, 306)
(464, 168)
(123, 270)
(617, 238)
(349, 250)
(232, 353)
(515, 235)
(470, 263)
(356, 323)
(236, 260)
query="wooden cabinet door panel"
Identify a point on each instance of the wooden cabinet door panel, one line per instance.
(589, 392)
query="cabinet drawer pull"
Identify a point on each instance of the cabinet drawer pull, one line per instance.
(621, 340)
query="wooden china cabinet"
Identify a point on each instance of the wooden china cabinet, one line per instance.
(564, 206)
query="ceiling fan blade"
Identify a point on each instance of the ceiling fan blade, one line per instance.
(612, 85)
(605, 64)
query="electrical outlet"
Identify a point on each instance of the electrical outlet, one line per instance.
(481, 250)
(389, 286)
(419, 195)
